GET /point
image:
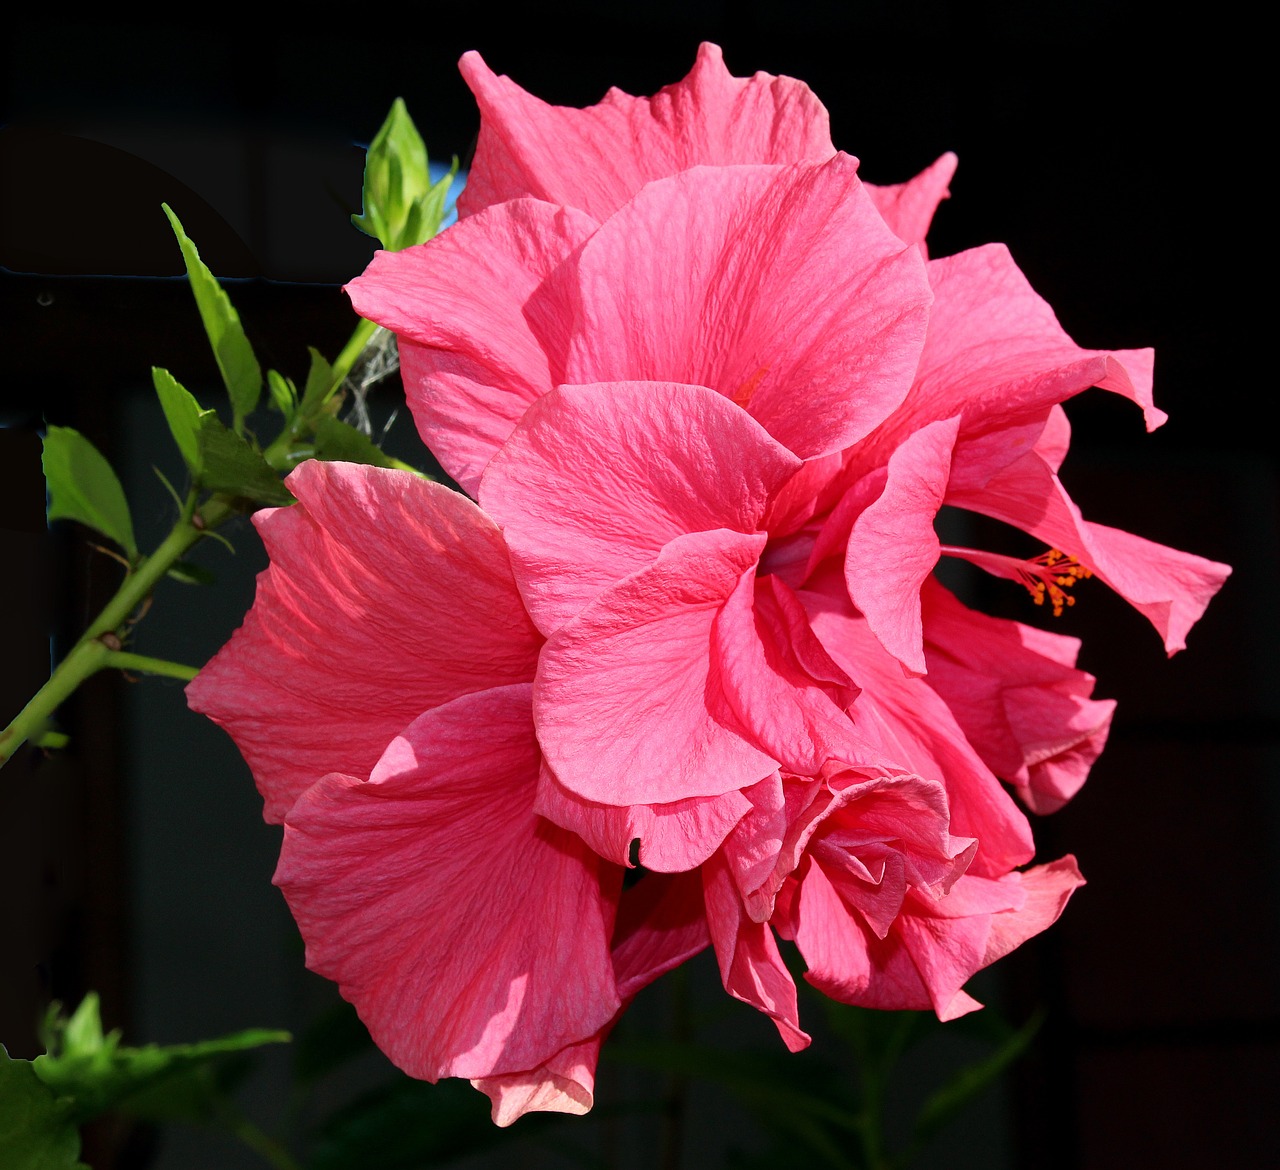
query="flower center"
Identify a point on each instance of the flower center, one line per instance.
(1046, 577)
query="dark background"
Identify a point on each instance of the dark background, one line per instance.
(1116, 155)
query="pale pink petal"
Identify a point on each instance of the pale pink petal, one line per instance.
(751, 966)
(563, 1084)
(673, 837)
(1169, 587)
(815, 328)
(907, 722)
(1017, 695)
(908, 207)
(1046, 889)
(386, 595)
(471, 935)
(597, 479)
(628, 705)
(786, 692)
(893, 547)
(477, 342)
(597, 158)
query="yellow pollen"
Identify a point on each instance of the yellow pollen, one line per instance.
(742, 396)
(1049, 575)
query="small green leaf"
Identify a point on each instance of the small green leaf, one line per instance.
(341, 441)
(231, 348)
(190, 574)
(183, 414)
(36, 1129)
(319, 383)
(230, 465)
(284, 394)
(83, 487)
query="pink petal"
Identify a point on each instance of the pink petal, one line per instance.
(908, 207)
(1017, 695)
(1169, 587)
(628, 707)
(786, 692)
(597, 158)
(905, 721)
(471, 935)
(815, 327)
(751, 966)
(673, 837)
(661, 923)
(477, 342)
(893, 548)
(597, 479)
(563, 1084)
(1046, 889)
(386, 595)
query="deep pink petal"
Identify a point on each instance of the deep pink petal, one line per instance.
(597, 158)
(1169, 587)
(815, 327)
(1018, 696)
(478, 340)
(908, 207)
(751, 966)
(673, 837)
(661, 922)
(1046, 889)
(628, 706)
(893, 548)
(907, 722)
(386, 595)
(786, 692)
(597, 479)
(471, 935)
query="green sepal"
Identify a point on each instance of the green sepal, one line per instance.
(92, 1072)
(284, 394)
(183, 414)
(83, 487)
(229, 464)
(336, 440)
(235, 357)
(37, 1131)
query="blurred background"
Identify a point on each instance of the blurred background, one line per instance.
(1115, 158)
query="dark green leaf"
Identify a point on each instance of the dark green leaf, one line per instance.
(338, 440)
(334, 1038)
(948, 1101)
(190, 574)
(230, 465)
(231, 348)
(83, 487)
(183, 414)
(36, 1130)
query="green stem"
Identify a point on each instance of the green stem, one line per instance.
(122, 660)
(92, 652)
(351, 352)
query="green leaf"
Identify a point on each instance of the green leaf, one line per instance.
(401, 206)
(231, 348)
(319, 383)
(36, 1129)
(83, 487)
(948, 1101)
(190, 574)
(231, 465)
(339, 440)
(183, 414)
(92, 1073)
(284, 395)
